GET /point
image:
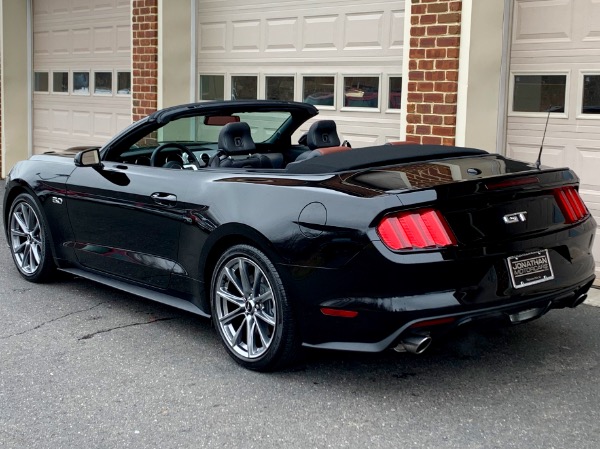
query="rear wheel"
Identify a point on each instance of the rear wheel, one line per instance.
(28, 239)
(251, 311)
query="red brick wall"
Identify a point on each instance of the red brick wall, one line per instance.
(422, 176)
(145, 57)
(433, 71)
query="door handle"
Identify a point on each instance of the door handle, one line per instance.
(164, 199)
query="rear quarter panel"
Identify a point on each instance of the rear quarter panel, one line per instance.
(330, 231)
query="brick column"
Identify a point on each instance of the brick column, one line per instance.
(433, 71)
(145, 57)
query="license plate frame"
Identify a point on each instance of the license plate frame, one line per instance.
(530, 268)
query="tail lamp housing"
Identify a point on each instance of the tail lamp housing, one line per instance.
(570, 204)
(413, 230)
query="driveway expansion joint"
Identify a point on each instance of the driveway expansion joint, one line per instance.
(142, 323)
(52, 321)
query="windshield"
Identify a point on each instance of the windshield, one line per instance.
(206, 129)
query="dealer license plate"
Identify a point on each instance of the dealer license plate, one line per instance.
(531, 268)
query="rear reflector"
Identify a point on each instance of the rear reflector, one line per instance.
(570, 204)
(419, 229)
(437, 322)
(339, 312)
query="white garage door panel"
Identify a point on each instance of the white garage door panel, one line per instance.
(559, 37)
(62, 124)
(305, 31)
(310, 37)
(556, 25)
(80, 36)
(82, 123)
(553, 155)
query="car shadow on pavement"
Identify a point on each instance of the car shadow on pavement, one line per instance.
(561, 343)
(552, 343)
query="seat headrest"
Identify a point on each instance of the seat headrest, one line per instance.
(322, 134)
(235, 138)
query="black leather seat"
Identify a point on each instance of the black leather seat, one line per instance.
(322, 134)
(322, 138)
(235, 139)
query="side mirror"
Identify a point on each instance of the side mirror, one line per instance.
(88, 158)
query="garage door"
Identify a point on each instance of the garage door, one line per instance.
(82, 72)
(344, 57)
(555, 65)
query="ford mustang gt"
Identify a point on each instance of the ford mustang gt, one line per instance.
(215, 209)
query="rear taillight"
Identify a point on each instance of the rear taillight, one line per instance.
(570, 204)
(421, 229)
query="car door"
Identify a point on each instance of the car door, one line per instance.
(126, 220)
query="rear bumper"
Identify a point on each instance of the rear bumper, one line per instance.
(392, 294)
(424, 322)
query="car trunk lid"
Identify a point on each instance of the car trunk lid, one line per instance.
(483, 198)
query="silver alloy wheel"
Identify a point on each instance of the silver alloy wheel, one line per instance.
(26, 238)
(245, 307)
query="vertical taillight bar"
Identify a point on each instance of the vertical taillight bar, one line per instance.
(570, 204)
(420, 229)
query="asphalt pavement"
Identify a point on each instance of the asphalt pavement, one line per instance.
(86, 366)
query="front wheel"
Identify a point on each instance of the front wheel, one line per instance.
(28, 239)
(251, 311)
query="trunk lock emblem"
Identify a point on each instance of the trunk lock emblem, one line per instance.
(517, 217)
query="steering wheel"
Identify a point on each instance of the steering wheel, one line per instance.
(191, 158)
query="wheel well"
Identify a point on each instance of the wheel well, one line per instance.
(234, 236)
(215, 252)
(14, 192)
(12, 195)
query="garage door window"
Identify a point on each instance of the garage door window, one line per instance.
(244, 87)
(40, 82)
(591, 94)
(395, 92)
(279, 88)
(361, 91)
(212, 87)
(60, 82)
(124, 83)
(539, 93)
(319, 90)
(81, 83)
(102, 83)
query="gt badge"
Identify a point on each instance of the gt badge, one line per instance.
(517, 217)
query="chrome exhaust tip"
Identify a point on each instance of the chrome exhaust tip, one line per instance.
(415, 344)
(526, 315)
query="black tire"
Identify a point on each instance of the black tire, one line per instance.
(29, 241)
(251, 311)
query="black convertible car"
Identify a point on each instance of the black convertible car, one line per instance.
(212, 208)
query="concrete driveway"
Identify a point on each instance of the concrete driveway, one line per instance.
(85, 366)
